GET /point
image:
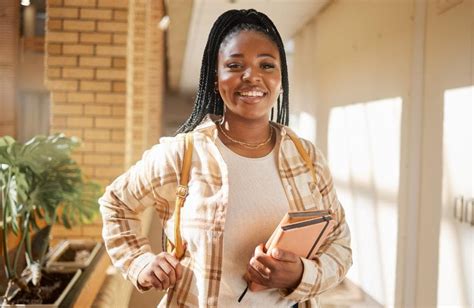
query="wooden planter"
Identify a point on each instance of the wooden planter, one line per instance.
(82, 291)
(63, 256)
(57, 302)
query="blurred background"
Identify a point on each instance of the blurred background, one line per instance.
(384, 87)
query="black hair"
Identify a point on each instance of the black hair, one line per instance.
(208, 99)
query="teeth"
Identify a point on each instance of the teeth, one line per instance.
(252, 93)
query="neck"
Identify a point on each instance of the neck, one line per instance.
(246, 131)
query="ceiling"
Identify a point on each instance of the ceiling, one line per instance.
(184, 55)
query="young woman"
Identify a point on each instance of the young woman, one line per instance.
(246, 174)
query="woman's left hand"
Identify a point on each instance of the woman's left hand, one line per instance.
(278, 269)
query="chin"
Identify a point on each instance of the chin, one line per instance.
(251, 116)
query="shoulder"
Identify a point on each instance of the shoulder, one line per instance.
(312, 149)
(173, 148)
(168, 151)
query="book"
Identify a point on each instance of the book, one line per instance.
(301, 232)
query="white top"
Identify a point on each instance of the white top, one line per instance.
(254, 187)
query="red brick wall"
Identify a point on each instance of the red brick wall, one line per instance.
(9, 34)
(101, 74)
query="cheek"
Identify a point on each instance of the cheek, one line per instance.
(226, 82)
(275, 84)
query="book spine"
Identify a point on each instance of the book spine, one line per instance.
(273, 240)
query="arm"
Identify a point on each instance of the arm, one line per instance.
(330, 266)
(299, 278)
(141, 186)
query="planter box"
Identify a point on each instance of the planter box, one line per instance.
(64, 256)
(82, 292)
(57, 302)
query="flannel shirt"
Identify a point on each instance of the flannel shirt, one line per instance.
(152, 181)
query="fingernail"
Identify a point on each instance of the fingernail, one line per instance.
(276, 252)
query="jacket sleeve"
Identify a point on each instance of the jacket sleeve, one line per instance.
(145, 184)
(334, 259)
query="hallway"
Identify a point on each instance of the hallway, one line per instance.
(384, 88)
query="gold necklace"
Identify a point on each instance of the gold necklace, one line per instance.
(252, 146)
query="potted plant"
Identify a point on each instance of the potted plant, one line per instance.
(40, 184)
(73, 254)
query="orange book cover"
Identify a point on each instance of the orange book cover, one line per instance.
(302, 233)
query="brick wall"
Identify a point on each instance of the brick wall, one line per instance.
(92, 61)
(9, 34)
(154, 73)
(145, 75)
(136, 76)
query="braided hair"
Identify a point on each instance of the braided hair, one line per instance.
(230, 23)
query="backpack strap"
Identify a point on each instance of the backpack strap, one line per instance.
(181, 194)
(303, 154)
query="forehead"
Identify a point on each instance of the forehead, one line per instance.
(248, 42)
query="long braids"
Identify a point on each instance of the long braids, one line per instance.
(208, 100)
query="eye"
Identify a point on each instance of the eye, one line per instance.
(234, 66)
(268, 66)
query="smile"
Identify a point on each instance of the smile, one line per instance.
(251, 94)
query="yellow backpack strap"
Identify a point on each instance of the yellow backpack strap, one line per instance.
(181, 194)
(303, 154)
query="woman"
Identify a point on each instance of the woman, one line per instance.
(246, 174)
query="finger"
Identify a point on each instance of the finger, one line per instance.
(267, 261)
(284, 255)
(171, 260)
(256, 276)
(179, 271)
(157, 284)
(163, 278)
(178, 268)
(247, 277)
(259, 250)
(154, 281)
(169, 271)
(259, 267)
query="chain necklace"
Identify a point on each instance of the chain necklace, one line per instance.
(253, 146)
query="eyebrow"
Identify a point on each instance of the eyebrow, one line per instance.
(239, 55)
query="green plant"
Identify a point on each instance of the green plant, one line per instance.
(39, 181)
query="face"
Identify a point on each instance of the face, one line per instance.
(249, 75)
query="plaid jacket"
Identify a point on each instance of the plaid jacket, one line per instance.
(152, 182)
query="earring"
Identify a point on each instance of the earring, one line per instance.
(216, 89)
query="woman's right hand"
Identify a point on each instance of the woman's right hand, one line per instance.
(161, 273)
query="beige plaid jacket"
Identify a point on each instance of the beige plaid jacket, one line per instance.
(152, 182)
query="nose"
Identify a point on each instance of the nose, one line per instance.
(251, 75)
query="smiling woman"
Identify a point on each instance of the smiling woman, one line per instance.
(249, 82)
(247, 172)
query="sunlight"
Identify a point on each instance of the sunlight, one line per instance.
(456, 269)
(304, 125)
(364, 156)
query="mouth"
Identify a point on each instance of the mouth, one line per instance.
(252, 94)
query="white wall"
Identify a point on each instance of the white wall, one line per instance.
(449, 68)
(352, 73)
